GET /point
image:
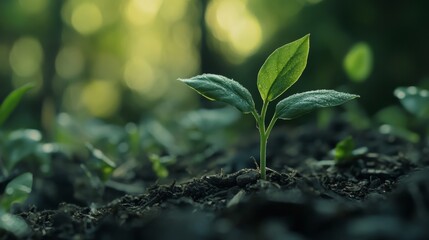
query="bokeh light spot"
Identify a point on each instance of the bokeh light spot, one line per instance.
(139, 12)
(87, 18)
(424, 93)
(139, 76)
(246, 36)
(174, 10)
(69, 62)
(150, 47)
(101, 98)
(412, 90)
(399, 93)
(26, 57)
(232, 23)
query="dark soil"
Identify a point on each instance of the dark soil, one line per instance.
(381, 194)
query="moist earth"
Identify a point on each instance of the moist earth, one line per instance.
(382, 193)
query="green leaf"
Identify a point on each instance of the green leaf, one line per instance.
(344, 149)
(14, 224)
(415, 100)
(283, 68)
(219, 88)
(158, 167)
(20, 145)
(11, 101)
(17, 191)
(358, 62)
(299, 104)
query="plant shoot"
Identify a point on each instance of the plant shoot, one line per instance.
(279, 72)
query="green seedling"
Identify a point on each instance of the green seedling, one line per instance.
(279, 72)
(158, 164)
(98, 164)
(345, 151)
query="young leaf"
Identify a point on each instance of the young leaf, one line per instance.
(158, 167)
(358, 62)
(299, 104)
(219, 88)
(17, 190)
(11, 101)
(344, 149)
(283, 68)
(415, 100)
(13, 224)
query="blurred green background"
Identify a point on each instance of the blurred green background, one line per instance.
(118, 61)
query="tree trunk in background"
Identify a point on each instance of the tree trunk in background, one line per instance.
(204, 50)
(52, 43)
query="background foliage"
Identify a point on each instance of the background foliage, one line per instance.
(118, 60)
(106, 115)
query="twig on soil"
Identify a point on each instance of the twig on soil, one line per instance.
(272, 170)
(256, 162)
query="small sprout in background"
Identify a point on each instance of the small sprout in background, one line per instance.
(279, 72)
(358, 62)
(345, 151)
(133, 138)
(158, 164)
(406, 121)
(97, 169)
(394, 120)
(99, 164)
(415, 100)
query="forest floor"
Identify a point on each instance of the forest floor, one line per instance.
(380, 194)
